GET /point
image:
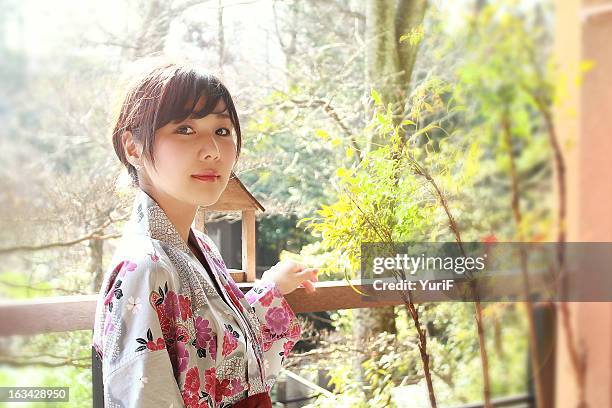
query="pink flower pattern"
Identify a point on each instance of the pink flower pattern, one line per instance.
(182, 355)
(126, 267)
(278, 320)
(237, 385)
(203, 332)
(212, 348)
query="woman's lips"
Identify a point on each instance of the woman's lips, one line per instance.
(205, 178)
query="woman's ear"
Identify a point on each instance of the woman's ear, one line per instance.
(131, 149)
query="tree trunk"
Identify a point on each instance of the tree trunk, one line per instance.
(96, 254)
(389, 66)
(389, 63)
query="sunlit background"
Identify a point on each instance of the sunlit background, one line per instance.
(321, 87)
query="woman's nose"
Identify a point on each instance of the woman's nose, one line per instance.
(209, 149)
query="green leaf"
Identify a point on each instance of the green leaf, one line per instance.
(322, 134)
(376, 97)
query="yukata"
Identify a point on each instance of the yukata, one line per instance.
(168, 338)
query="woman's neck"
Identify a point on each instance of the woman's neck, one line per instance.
(180, 214)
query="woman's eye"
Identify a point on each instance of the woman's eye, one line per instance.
(185, 130)
(225, 132)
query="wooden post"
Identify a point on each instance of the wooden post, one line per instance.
(97, 384)
(248, 244)
(583, 33)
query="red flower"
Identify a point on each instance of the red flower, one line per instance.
(267, 338)
(488, 239)
(190, 400)
(182, 335)
(168, 312)
(210, 376)
(159, 344)
(185, 307)
(192, 381)
(191, 391)
(266, 300)
(287, 347)
(168, 325)
(229, 343)
(171, 305)
(222, 389)
(217, 389)
(295, 332)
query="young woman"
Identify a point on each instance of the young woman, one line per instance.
(172, 328)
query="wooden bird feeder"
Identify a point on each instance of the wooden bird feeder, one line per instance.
(236, 197)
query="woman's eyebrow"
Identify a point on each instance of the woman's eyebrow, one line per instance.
(223, 115)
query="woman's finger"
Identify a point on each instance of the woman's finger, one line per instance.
(308, 286)
(309, 273)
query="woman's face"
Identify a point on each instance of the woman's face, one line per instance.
(193, 158)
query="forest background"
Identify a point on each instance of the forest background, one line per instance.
(326, 92)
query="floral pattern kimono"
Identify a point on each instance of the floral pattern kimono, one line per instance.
(168, 338)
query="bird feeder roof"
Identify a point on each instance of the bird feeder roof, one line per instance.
(235, 197)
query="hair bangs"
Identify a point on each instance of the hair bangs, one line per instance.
(183, 93)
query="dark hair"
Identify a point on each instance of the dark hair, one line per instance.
(158, 96)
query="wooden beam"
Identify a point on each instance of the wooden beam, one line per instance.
(237, 275)
(46, 315)
(69, 313)
(331, 296)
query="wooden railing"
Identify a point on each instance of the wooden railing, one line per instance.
(69, 313)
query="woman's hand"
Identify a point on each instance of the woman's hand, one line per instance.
(289, 275)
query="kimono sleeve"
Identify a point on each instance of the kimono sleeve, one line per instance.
(280, 329)
(146, 381)
(137, 363)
